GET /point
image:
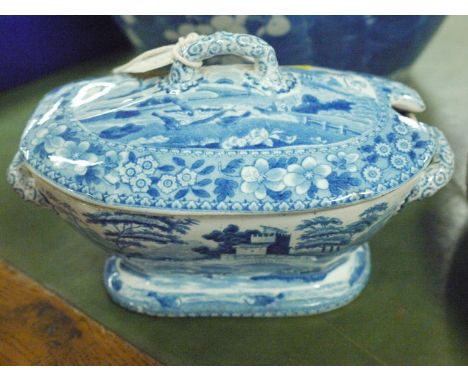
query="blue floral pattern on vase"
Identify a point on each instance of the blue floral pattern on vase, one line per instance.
(372, 44)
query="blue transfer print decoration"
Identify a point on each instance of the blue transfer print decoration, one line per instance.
(126, 230)
(263, 270)
(258, 269)
(323, 234)
(229, 138)
(186, 295)
(187, 179)
(312, 105)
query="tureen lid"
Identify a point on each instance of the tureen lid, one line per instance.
(243, 138)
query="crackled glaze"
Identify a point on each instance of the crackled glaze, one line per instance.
(231, 190)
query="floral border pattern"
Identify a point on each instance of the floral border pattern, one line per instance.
(438, 173)
(269, 180)
(247, 181)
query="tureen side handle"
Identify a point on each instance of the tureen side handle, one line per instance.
(23, 183)
(438, 173)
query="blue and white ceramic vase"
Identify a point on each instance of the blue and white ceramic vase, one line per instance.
(232, 190)
(381, 45)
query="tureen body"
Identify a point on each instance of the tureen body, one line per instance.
(246, 190)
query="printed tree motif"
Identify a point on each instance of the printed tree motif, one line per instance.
(66, 211)
(60, 207)
(368, 218)
(372, 214)
(324, 234)
(312, 105)
(129, 230)
(227, 239)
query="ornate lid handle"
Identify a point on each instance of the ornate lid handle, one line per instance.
(189, 57)
(188, 54)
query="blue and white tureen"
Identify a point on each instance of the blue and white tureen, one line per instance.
(235, 190)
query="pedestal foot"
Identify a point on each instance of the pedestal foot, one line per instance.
(208, 288)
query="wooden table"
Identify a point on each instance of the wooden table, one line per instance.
(39, 328)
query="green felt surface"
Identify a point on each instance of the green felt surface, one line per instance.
(414, 310)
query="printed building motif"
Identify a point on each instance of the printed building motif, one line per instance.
(271, 241)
